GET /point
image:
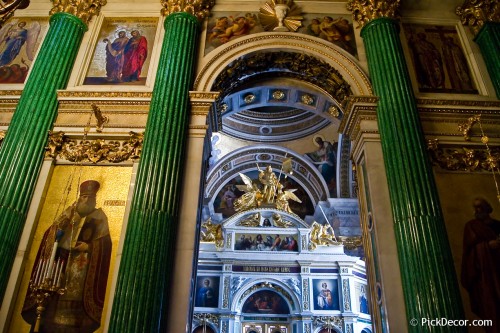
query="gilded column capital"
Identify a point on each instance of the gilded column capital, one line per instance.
(475, 13)
(364, 11)
(83, 9)
(198, 8)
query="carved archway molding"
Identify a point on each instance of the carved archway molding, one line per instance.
(220, 58)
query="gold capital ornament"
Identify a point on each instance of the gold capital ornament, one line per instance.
(198, 8)
(83, 9)
(364, 11)
(475, 13)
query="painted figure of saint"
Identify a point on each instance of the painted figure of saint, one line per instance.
(324, 298)
(480, 264)
(456, 65)
(115, 57)
(206, 296)
(428, 62)
(325, 159)
(82, 244)
(135, 52)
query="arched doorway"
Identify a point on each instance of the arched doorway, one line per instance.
(265, 117)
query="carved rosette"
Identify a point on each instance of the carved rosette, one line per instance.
(364, 11)
(198, 8)
(475, 13)
(83, 9)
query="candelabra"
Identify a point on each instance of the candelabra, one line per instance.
(46, 283)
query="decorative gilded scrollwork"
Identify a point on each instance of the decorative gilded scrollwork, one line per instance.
(328, 322)
(7, 9)
(83, 9)
(466, 126)
(94, 151)
(463, 159)
(101, 120)
(2, 136)
(198, 8)
(475, 13)
(364, 11)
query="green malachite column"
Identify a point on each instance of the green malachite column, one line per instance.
(483, 17)
(143, 287)
(22, 150)
(488, 40)
(429, 281)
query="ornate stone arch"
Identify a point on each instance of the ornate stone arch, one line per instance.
(216, 61)
(276, 286)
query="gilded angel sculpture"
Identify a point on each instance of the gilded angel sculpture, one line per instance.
(252, 198)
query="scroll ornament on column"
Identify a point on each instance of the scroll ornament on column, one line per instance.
(83, 9)
(364, 11)
(198, 8)
(475, 13)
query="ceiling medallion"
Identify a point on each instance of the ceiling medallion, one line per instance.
(307, 99)
(249, 98)
(279, 95)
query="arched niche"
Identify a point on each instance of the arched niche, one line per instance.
(270, 286)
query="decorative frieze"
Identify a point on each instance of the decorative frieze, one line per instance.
(471, 159)
(94, 151)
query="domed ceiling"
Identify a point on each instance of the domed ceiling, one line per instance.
(277, 111)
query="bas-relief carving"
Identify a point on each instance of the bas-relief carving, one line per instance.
(227, 26)
(20, 39)
(365, 11)
(94, 151)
